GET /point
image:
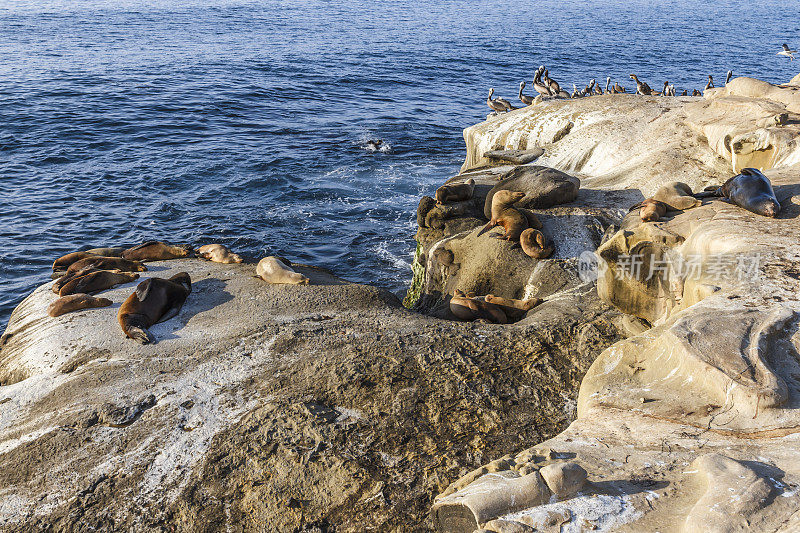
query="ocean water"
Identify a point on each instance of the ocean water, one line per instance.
(245, 122)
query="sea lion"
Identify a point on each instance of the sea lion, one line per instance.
(66, 278)
(469, 308)
(511, 307)
(107, 252)
(76, 302)
(751, 190)
(543, 187)
(273, 270)
(534, 244)
(651, 210)
(155, 251)
(443, 256)
(107, 263)
(95, 282)
(456, 192)
(63, 262)
(218, 253)
(425, 205)
(677, 196)
(510, 219)
(154, 300)
(436, 217)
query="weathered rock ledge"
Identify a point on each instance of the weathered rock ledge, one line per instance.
(331, 407)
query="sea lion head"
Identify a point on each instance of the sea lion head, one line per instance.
(767, 207)
(507, 197)
(182, 278)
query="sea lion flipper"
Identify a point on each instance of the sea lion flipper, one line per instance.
(143, 289)
(140, 335)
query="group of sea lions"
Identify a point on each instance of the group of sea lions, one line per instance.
(750, 189)
(519, 225)
(489, 308)
(81, 275)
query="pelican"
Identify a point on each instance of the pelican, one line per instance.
(524, 98)
(540, 88)
(597, 89)
(608, 82)
(665, 91)
(619, 88)
(495, 105)
(786, 52)
(710, 84)
(684, 93)
(505, 103)
(555, 88)
(728, 77)
(695, 92)
(641, 87)
(672, 90)
(575, 92)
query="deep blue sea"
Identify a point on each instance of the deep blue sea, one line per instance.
(244, 122)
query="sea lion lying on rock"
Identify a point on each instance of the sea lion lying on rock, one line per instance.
(426, 203)
(218, 253)
(469, 308)
(505, 216)
(64, 262)
(651, 210)
(67, 277)
(96, 281)
(107, 252)
(155, 251)
(107, 263)
(155, 300)
(676, 195)
(455, 192)
(435, 217)
(751, 190)
(76, 302)
(273, 270)
(511, 307)
(534, 244)
(542, 187)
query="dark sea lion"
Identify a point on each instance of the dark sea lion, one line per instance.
(511, 307)
(534, 244)
(751, 190)
(107, 263)
(155, 251)
(425, 205)
(63, 262)
(76, 302)
(676, 195)
(543, 187)
(98, 281)
(505, 216)
(155, 300)
(455, 192)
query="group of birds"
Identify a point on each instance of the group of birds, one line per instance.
(548, 87)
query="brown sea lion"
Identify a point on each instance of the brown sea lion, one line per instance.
(651, 210)
(511, 307)
(455, 192)
(107, 252)
(534, 244)
(443, 256)
(107, 263)
(155, 300)
(751, 190)
(76, 302)
(505, 216)
(469, 308)
(63, 262)
(66, 278)
(273, 270)
(676, 195)
(155, 251)
(218, 253)
(98, 281)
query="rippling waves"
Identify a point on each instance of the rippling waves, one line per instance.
(244, 122)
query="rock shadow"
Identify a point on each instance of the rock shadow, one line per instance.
(206, 295)
(784, 193)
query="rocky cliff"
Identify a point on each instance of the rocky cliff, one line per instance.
(624, 401)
